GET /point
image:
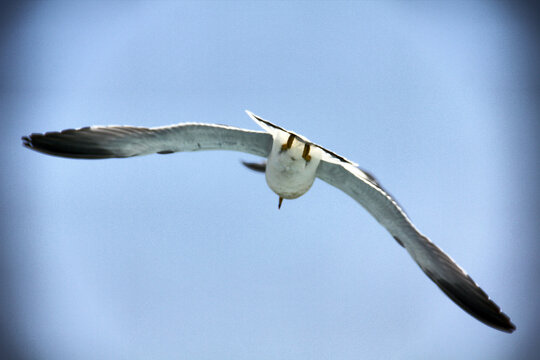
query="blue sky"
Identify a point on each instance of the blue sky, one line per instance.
(187, 255)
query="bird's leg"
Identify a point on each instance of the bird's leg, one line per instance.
(288, 144)
(280, 201)
(305, 154)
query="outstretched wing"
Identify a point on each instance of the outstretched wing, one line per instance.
(437, 265)
(101, 142)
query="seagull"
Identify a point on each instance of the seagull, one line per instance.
(292, 164)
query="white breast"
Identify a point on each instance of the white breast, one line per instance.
(288, 174)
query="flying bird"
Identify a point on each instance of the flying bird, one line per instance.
(292, 164)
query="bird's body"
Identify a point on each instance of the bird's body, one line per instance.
(289, 171)
(293, 163)
(288, 174)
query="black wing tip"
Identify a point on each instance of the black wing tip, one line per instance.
(509, 327)
(51, 143)
(459, 286)
(478, 304)
(28, 141)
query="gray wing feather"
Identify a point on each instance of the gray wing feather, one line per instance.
(101, 142)
(438, 266)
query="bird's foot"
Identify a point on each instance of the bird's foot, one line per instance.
(305, 154)
(288, 144)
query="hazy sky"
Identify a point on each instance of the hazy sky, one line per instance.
(186, 256)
